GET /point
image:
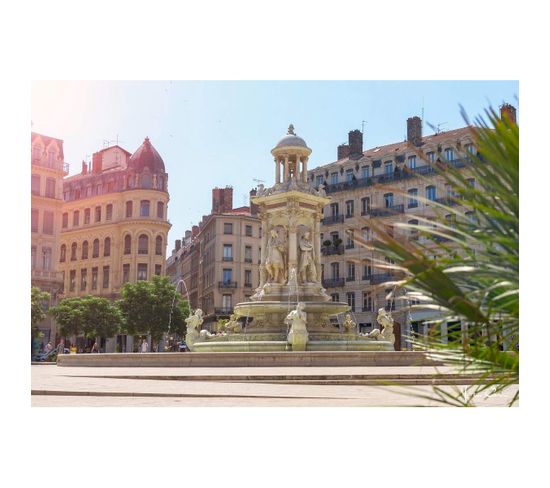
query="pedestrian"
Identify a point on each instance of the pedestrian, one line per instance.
(95, 348)
(61, 347)
(144, 346)
(49, 347)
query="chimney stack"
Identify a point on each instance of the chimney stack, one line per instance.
(414, 130)
(97, 162)
(355, 139)
(343, 151)
(195, 230)
(508, 111)
(253, 206)
(187, 235)
(178, 244)
(84, 167)
(222, 200)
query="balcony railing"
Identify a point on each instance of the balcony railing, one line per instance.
(367, 309)
(248, 285)
(330, 250)
(387, 211)
(334, 283)
(350, 245)
(227, 284)
(227, 258)
(333, 219)
(46, 274)
(366, 277)
(448, 201)
(247, 260)
(380, 278)
(223, 311)
(350, 278)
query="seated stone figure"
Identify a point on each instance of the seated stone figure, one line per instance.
(298, 335)
(349, 324)
(233, 326)
(386, 334)
(193, 325)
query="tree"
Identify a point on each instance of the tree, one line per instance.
(153, 307)
(38, 297)
(475, 278)
(90, 316)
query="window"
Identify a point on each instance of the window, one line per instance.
(335, 269)
(127, 244)
(83, 279)
(128, 209)
(334, 209)
(388, 168)
(390, 302)
(46, 258)
(247, 277)
(106, 276)
(227, 275)
(349, 208)
(94, 278)
(449, 154)
(107, 246)
(319, 180)
(145, 180)
(351, 300)
(350, 244)
(73, 251)
(366, 233)
(226, 302)
(351, 272)
(86, 216)
(228, 252)
(349, 175)
(51, 158)
(76, 218)
(65, 220)
(160, 183)
(367, 302)
(413, 202)
(367, 272)
(451, 220)
(471, 217)
(158, 246)
(48, 223)
(72, 280)
(248, 230)
(333, 178)
(143, 244)
(412, 162)
(160, 210)
(95, 248)
(34, 220)
(365, 171)
(248, 254)
(470, 148)
(98, 214)
(125, 273)
(109, 212)
(85, 250)
(77, 194)
(110, 186)
(365, 205)
(431, 157)
(388, 200)
(335, 297)
(430, 192)
(50, 188)
(36, 152)
(158, 269)
(35, 184)
(227, 228)
(413, 233)
(63, 253)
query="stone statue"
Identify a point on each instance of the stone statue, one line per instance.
(321, 191)
(260, 190)
(307, 269)
(233, 326)
(193, 324)
(386, 334)
(298, 335)
(275, 262)
(349, 324)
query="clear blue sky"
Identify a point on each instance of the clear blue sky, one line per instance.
(220, 133)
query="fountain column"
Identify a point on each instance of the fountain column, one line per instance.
(304, 169)
(286, 171)
(263, 249)
(292, 247)
(277, 171)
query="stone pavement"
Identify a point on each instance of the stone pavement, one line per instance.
(202, 387)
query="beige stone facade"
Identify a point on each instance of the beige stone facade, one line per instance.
(47, 171)
(381, 185)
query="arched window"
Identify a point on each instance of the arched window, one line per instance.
(143, 244)
(144, 208)
(73, 251)
(160, 210)
(95, 248)
(85, 250)
(388, 200)
(109, 212)
(145, 180)
(76, 218)
(160, 183)
(63, 253)
(158, 246)
(129, 209)
(430, 192)
(107, 247)
(127, 244)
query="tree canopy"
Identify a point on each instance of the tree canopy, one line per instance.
(38, 297)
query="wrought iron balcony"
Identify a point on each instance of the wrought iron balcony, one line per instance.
(367, 309)
(380, 278)
(223, 311)
(333, 219)
(350, 278)
(247, 260)
(227, 284)
(350, 245)
(334, 283)
(330, 250)
(366, 277)
(449, 201)
(227, 258)
(387, 211)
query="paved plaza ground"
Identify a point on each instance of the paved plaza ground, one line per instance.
(205, 387)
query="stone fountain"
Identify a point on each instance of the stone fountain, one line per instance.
(290, 309)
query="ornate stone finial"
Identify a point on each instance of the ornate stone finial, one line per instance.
(291, 130)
